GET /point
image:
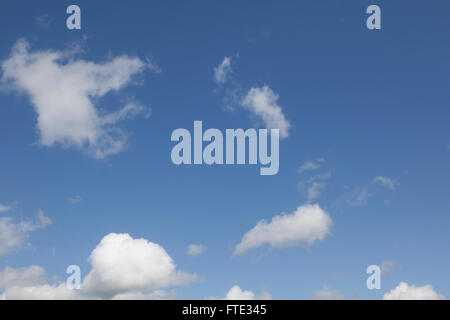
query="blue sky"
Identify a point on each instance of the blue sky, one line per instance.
(362, 104)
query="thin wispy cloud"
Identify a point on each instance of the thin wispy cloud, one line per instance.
(13, 235)
(195, 249)
(74, 199)
(222, 71)
(311, 165)
(4, 208)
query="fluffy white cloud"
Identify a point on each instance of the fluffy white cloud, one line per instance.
(327, 294)
(222, 71)
(306, 225)
(32, 275)
(122, 268)
(236, 293)
(29, 284)
(195, 249)
(406, 292)
(387, 182)
(263, 103)
(40, 292)
(13, 235)
(4, 208)
(121, 264)
(64, 91)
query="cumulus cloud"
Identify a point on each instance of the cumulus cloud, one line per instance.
(309, 223)
(195, 249)
(122, 265)
(222, 71)
(327, 294)
(386, 182)
(65, 92)
(123, 268)
(14, 234)
(4, 208)
(406, 292)
(263, 103)
(236, 293)
(30, 284)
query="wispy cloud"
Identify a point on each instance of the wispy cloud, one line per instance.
(387, 182)
(222, 71)
(311, 165)
(4, 208)
(195, 249)
(74, 199)
(14, 234)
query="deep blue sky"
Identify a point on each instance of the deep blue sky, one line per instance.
(371, 103)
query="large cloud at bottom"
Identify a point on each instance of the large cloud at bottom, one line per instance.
(122, 268)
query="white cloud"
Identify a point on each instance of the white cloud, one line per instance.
(263, 103)
(327, 294)
(387, 182)
(4, 208)
(40, 292)
(309, 223)
(155, 295)
(389, 267)
(311, 165)
(29, 284)
(65, 92)
(121, 264)
(236, 293)
(406, 292)
(195, 249)
(29, 276)
(315, 190)
(222, 71)
(122, 268)
(15, 234)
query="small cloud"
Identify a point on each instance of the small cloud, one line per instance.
(236, 293)
(195, 249)
(222, 71)
(263, 103)
(43, 21)
(406, 292)
(4, 208)
(74, 199)
(308, 224)
(14, 234)
(310, 165)
(328, 293)
(387, 182)
(314, 186)
(389, 267)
